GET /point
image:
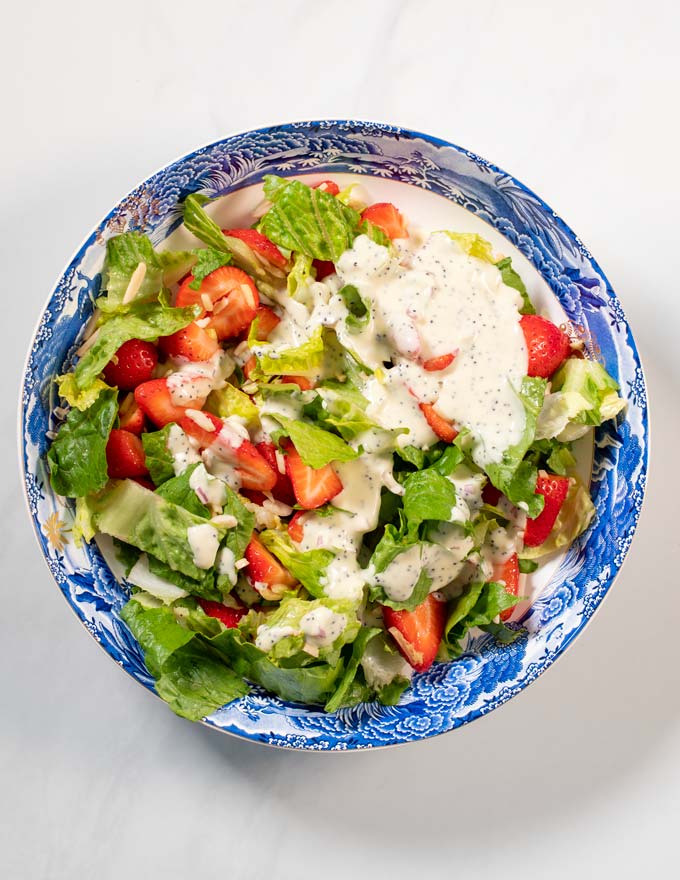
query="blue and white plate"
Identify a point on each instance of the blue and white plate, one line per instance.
(437, 184)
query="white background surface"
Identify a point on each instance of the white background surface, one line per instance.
(579, 775)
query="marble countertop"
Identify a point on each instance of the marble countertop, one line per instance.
(579, 775)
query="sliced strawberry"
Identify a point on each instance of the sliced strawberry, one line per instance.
(125, 455)
(312, 486)
(554, 490)
(226, 444)
(438, 363)
(253, 495)
(328, 186)
(547, 345)
(267, 320)
(260, 244)
(302, 382)
(228, 616)
(296, 527)
(282, 491)
(155, 401)
(265, 572)
(249, 366)
(386, 217)
(443, 429)
(192, 342)
(231, 296)
(418, 633)
(132, 364)
(145, 482)
(508, 572)
(323, 268)
(131, 416)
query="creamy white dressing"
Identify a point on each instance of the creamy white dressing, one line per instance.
(226, 564)
(209, 489)
(194, 380)
(400, 577)
(204, 541)
(322, 626)
(381, 665)
(445, 302)
(268, 636)
(180, 448)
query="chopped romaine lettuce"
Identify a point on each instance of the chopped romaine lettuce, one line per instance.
(80, 398)
(124, 253)
(478, 605)
(144, 320)
(158, 458)
(231, 401)
(309, 567)
(342, 694)
(208, 260)
(574, 517)
(77, 456)
(304, 360)
(298, 275)
(306, 220)
(178, 490)
(316, 447)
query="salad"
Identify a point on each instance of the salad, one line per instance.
(325, 447)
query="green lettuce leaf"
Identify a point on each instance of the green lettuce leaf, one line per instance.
(574, 517)
(83, 525)
(307, 220)
(190, 675)
(338, 406)
(298, 275)
(583, 394)
(80, 398)
(512, 279)
(315, 446)
(198, 222)
(359, 312)
(77, 457)
(159, 461)
(204, 586)
(124, 253)
(515, 478)
(343, 690)
(304, 360)
(427, 496)
(178, 491)
(231, 401)
(239, 536)
(473, 244)
(312, 684)
(375, 233)
(131, 513)
(207, 261)
(309, 567)
(145, 321)
(478, 605)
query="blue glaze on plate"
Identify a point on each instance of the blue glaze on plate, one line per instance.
(488, 674)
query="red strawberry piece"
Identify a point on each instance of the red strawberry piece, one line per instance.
(131, 416)
(253, 495)
(323, 268)
(508, 572)
(132, 364)
(231, 297)
(155, 400)
(435, 364)
(125, 455)
(302, 382)
(441, 427)
(145, 482)
(192, 342)
(296, 527)
(418, 633)
(264, 571)
(259, 243)
(554, 490)
(228, 616)
(282, 491)
(249, 366)
(328, 186)
(253, 470)
(267, 320)
(386, 217)
(312, 486)
(547, 345)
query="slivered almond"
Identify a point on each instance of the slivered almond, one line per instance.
(241, 563)
(207, 302)
(242, 349)
(247, 291)
(280, 462)
(201, 419)
(87, 345)
(226, 520)
(221, 305)
(202, 323)
(135, 283)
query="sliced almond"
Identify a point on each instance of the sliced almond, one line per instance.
(201, 419)
(134, 283)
